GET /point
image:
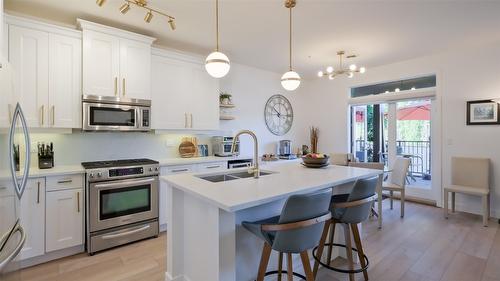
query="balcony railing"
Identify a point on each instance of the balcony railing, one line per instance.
(418, 151)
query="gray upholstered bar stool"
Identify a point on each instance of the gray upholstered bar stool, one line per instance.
(348, 210)
(296, 230)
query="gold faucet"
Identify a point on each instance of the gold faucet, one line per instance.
(255, 169)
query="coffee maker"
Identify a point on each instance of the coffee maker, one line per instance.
(285, 149)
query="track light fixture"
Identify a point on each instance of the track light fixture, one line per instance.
(142, 4)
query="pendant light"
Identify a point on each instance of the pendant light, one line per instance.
(291, 79)
(217, 64)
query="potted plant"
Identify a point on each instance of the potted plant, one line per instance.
(224, 98)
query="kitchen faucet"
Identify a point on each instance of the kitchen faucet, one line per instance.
(255, 169)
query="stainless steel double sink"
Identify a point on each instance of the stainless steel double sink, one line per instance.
(231, 176)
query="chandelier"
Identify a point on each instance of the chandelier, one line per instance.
(144, 5)
(331, 72)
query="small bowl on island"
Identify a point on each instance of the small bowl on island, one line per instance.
(316, 160)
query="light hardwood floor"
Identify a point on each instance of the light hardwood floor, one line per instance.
(421, 247)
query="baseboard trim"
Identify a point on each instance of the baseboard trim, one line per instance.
(169, 277)
(52, 256)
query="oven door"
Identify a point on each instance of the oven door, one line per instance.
(110, 117)
(121, 202)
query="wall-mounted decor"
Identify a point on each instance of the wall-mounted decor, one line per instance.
(482, 112)
(278, 114)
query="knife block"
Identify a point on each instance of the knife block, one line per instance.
(45, 161)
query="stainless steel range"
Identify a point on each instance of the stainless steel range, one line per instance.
(121, 202)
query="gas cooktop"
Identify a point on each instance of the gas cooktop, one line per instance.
(118, 163)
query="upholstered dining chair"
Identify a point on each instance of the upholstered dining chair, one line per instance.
(341, 159)
(469, 176)
(396, 181)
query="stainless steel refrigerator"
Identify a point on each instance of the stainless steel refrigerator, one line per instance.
(12, 235)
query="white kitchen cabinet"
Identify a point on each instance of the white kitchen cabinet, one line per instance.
(101, 63)
(7, 102)
(184, 95)
(115, 62)
(64, 219)
(135, 69)
(7, 205)
(29, 57)
(64, 81)
(212, 166)
(32, 216)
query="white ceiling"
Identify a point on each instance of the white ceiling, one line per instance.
(255, 32)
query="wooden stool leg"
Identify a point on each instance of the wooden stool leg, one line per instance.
(391, 193)
(361, 253)
(289, 269)
(280, 265)
(330, 248)
(307, 266)
(264, 260)
(445, 204)
(402, 203)
(321, 247)
(347, 234)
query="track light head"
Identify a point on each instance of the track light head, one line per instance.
(148, 17)
(171, 22)
(124, 8)
(100, 2)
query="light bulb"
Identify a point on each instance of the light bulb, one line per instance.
(320, 73)
(217, 64)
(396, 90)
(362, 69)
(352, 67)
(331, 76)
(329, 69)
(386, 92)
(350, 75)
(290, 80)
(412, 88)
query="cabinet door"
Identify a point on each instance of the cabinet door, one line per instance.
(29, 57)
(32, 215)
(204, 109)
(135, 69)
(170, 170)
(64, 81)
(101, 59)
(7, 103)
(64, 219)
(170, 91)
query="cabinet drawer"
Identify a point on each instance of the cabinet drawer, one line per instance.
(212, 166)
(178, 169)
(6, 188)
(65, 182)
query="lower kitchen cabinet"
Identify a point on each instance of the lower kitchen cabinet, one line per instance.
(32, 215)
(64, 219)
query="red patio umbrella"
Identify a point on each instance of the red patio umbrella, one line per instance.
(415, 112)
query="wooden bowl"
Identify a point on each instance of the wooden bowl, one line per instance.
(315, 161)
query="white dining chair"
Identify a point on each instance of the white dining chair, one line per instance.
(396, 181)
(469, 176)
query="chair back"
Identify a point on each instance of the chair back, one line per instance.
(341, 159)
(471, 172)
(299, 208)
(359, 212)
(399, 171)
(368, 165)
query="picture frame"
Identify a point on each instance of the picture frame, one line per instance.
(483, 112)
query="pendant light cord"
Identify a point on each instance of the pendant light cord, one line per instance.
(290, 38)
(217, 24)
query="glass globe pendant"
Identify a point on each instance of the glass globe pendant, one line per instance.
(290, 81)
(217, 64)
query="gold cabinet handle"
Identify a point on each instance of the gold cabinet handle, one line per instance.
(116, 86)
(10, 112)
(185, 120)
(123, 84)
(53, 115)
(43, 114)
(78, 201)
(65, 181)
(38, 194)
(191, 120)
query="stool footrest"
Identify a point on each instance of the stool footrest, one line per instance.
(358, 270)
(273, 272)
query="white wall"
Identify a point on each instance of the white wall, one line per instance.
(462, 75)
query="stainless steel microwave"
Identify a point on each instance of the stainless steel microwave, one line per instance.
(102, 113)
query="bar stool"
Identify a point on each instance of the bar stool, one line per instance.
(296, 230)
(348, 210)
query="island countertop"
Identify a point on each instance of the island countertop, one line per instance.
(287, 178)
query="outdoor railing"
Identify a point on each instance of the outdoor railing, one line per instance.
(418, 151)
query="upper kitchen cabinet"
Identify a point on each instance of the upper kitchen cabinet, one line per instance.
(184, 96)
(115, 62)
(46, 66)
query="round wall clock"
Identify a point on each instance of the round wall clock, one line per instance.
(278, 114)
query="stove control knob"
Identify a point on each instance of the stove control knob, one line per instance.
(99, 174)
(150, 169)
(91, 175)
(156, 169)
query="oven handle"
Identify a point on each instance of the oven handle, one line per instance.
(124, 183)
(125, 233)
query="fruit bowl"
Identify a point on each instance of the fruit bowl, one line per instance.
(316, 159)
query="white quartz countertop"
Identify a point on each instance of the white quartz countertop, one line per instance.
(197, 160)
(55, 171)
(290, 177)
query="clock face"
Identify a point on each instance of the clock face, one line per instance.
(279, 115)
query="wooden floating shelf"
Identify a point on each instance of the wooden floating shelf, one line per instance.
(227, 117)
(227, 105)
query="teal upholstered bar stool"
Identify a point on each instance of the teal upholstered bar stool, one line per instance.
(348, 210)
(297, 229)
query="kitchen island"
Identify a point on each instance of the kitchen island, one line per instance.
(205, 239)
